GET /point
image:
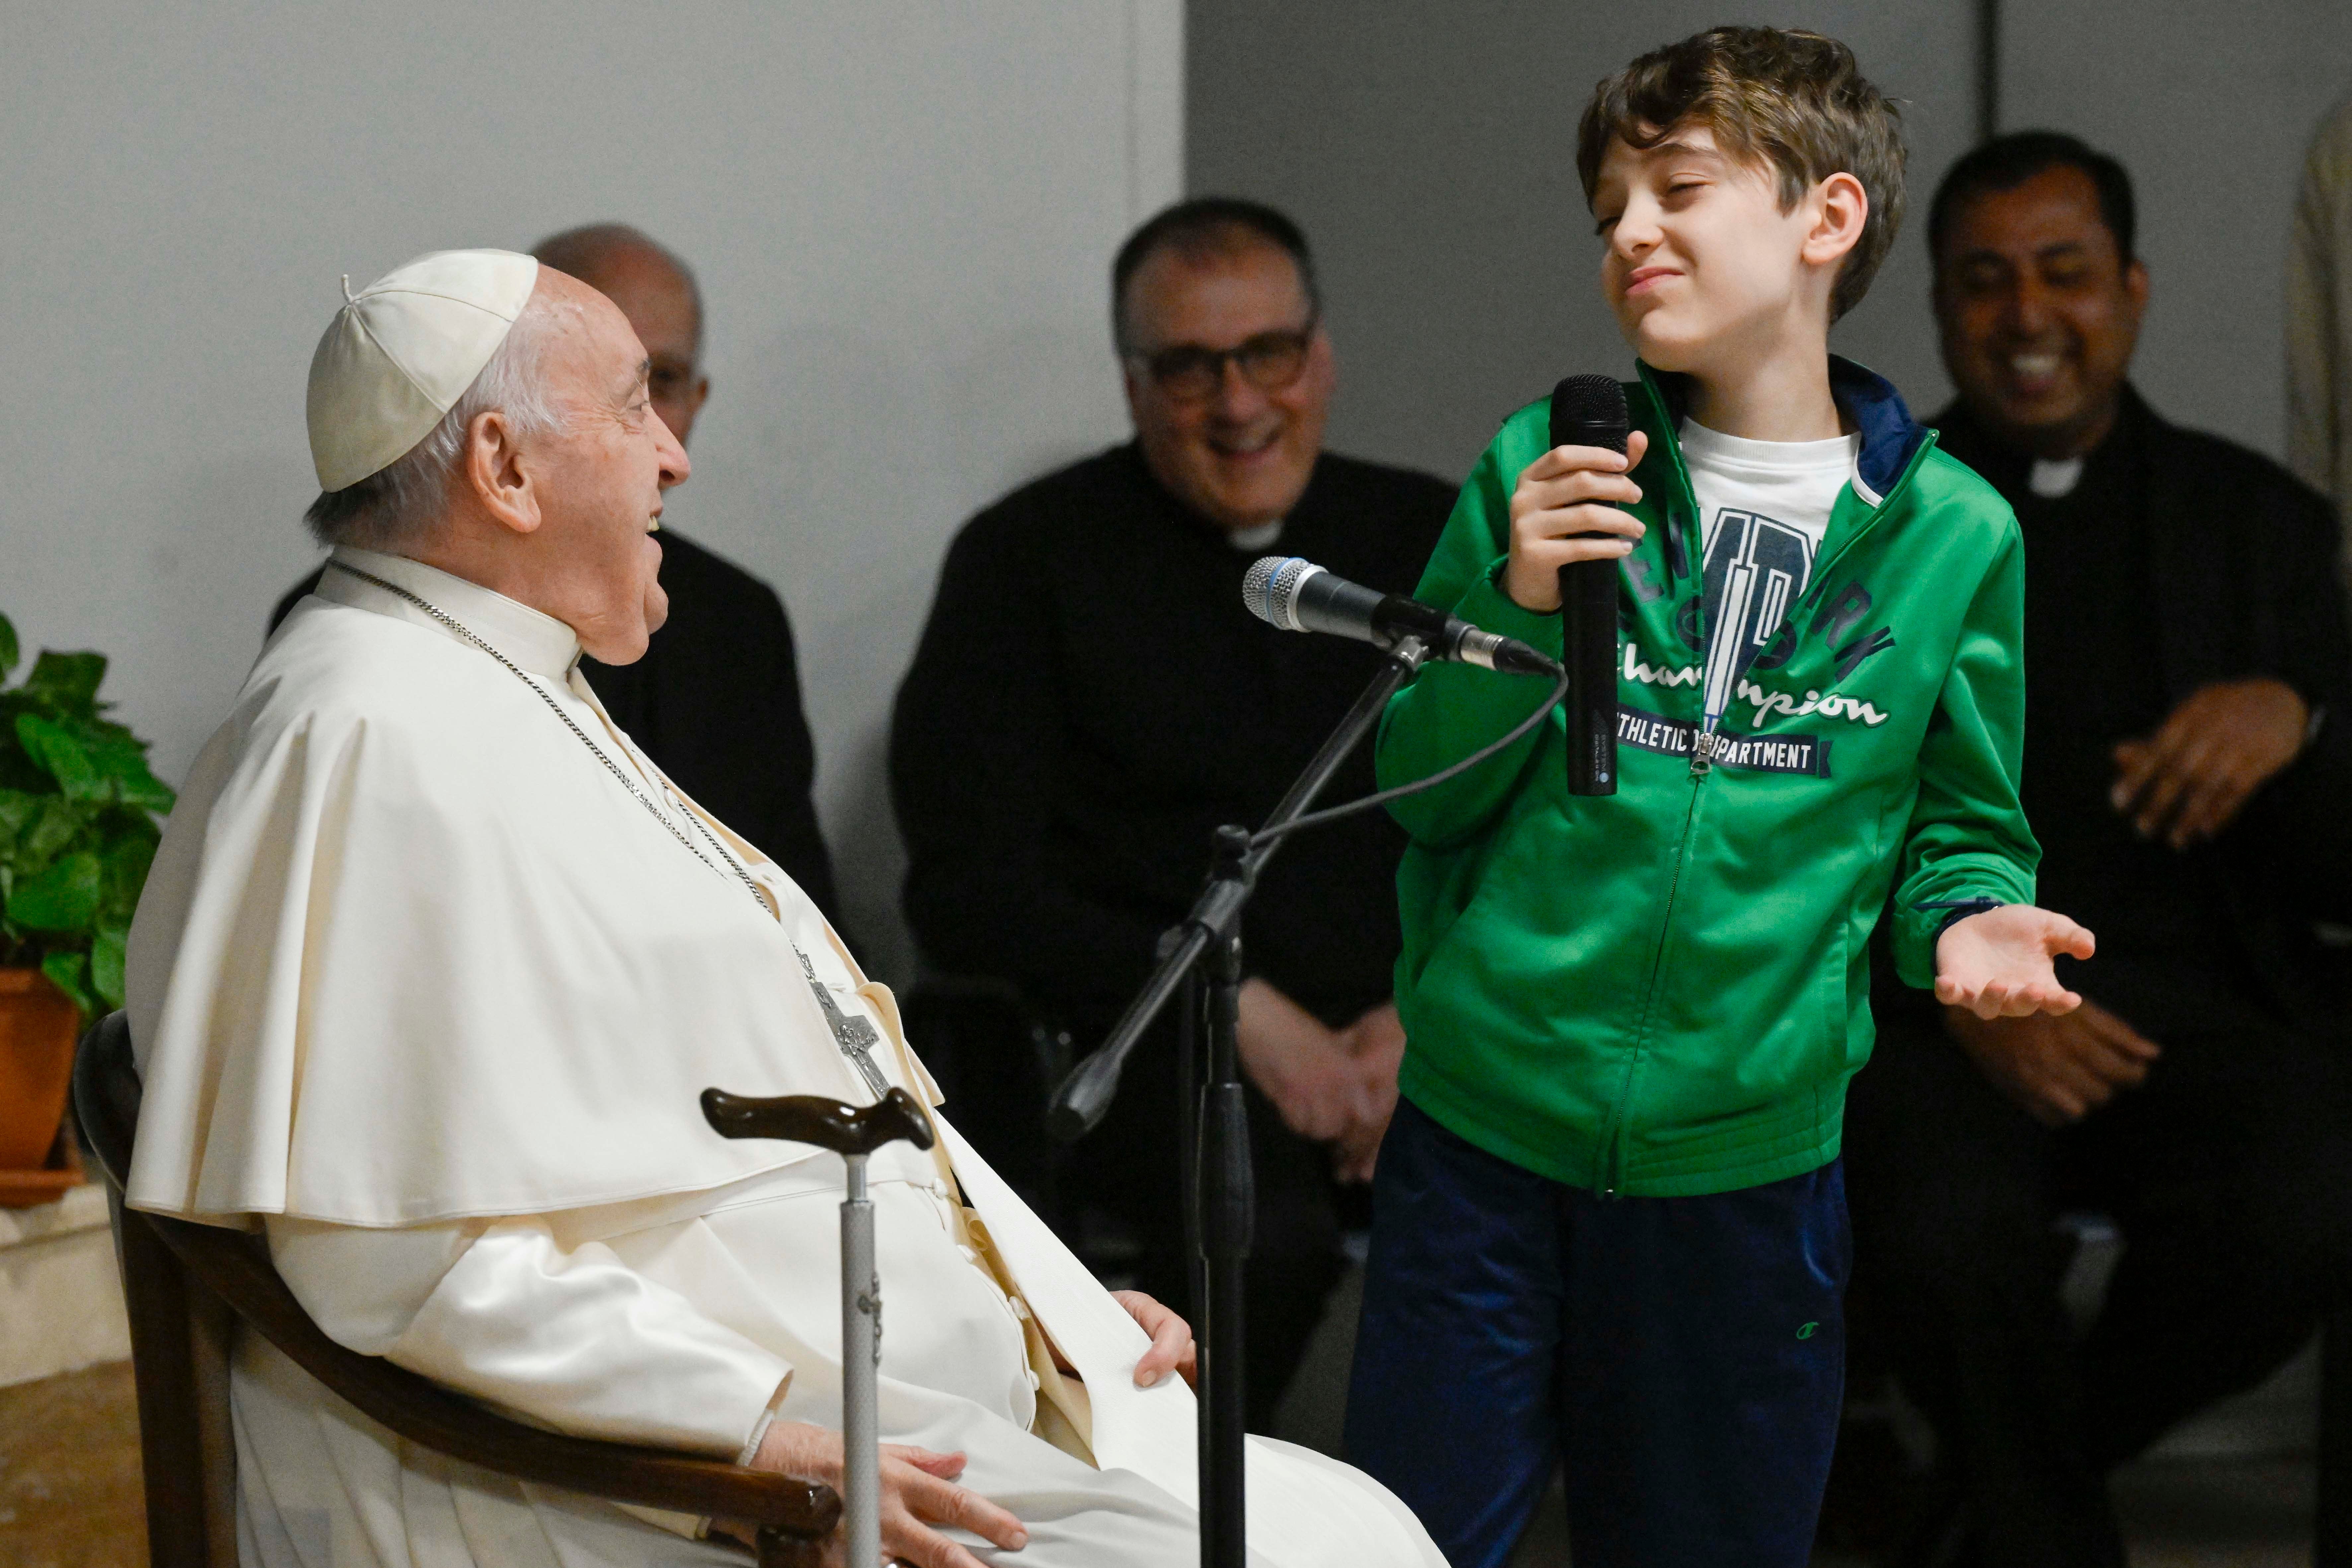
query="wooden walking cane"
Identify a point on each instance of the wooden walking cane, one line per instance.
(852, 1133)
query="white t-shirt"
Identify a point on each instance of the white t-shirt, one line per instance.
(1764, 507)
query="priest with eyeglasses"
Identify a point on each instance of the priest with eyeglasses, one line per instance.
(1091, 701)
(434, 965)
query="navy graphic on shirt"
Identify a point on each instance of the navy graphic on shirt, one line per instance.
(1756, 567)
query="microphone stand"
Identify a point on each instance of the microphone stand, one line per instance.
(1203, 957)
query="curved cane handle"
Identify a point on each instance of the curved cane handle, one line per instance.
(816, 1119)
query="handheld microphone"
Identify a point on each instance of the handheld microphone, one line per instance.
(1590, 411)
(1300, 596)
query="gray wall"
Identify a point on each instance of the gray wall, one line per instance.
(901, 216)
(1429, 149)
(2210, 107)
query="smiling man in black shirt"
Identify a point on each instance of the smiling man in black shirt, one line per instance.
(2187, 770)
(1091, 701)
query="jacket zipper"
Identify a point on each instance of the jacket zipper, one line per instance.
(1702, 763)
(1613, 1144)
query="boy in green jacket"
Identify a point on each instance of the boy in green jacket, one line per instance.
(1609, 1218)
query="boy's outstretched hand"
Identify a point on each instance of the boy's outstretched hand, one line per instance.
(1997, 963)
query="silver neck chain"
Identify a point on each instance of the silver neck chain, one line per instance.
(595, 751)
(855, 1036)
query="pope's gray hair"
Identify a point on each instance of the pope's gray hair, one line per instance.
(396, 506)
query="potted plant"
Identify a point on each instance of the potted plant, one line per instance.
(78, 827)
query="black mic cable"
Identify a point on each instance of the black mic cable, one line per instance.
(1455, 770)
(1300, 596)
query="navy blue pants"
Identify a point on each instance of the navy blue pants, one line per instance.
(1684, 1358)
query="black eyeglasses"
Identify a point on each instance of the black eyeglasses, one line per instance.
(1269, 361)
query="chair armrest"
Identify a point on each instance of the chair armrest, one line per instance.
(233, 1267)
(236, 1267)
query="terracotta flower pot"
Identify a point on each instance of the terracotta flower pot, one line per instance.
(37, 1024)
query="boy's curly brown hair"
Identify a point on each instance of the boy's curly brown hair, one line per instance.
(1794, 102)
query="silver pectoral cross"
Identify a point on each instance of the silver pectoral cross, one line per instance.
(855, 1036)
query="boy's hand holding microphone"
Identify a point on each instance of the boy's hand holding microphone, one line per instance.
(1566, 494)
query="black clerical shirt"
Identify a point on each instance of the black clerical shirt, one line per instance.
(1091, 699)
(2170, 957)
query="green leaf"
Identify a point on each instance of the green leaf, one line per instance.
(145, 792)
(68, 681)
(17, 771)
(125, 870)
(7, 646)
(106, 963)
(55, 829)
(16, 809)
(120, 757)
(71, 972)
(55, 749)
(63, 897)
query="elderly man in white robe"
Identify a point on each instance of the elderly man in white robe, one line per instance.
(433, 966)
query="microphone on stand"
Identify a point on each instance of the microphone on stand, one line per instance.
(1300, 596)
(1590, 411)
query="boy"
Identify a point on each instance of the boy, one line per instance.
(1608, 1218)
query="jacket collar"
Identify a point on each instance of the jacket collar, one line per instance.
(1890, 437)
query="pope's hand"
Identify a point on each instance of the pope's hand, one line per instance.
(918, 1492)
(1171, 1338)
(1997, 963)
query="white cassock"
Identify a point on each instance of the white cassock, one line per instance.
(421, 988)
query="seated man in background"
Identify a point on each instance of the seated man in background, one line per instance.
(434, 965)
(2187, 765)
(716, 702)
(1091, 701)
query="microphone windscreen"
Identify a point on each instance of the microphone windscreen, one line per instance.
(1590, 411)
(1270, 589)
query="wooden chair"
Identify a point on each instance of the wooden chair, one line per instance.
(187, 1285)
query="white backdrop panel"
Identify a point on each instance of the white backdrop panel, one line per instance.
(2210, 108)
(902, 217)
(1430, 151)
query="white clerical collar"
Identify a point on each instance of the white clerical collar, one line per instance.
(537, 643)
(2050, 480)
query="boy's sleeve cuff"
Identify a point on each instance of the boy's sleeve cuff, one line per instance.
(1918, 927)
(1954, 913)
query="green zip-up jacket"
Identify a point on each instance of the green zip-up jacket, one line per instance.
(1665, 991)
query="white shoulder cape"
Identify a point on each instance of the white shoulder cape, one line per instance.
(409, 952)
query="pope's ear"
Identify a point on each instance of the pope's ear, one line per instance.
(493, 470)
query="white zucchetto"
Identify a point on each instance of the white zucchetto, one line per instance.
(402, 350)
